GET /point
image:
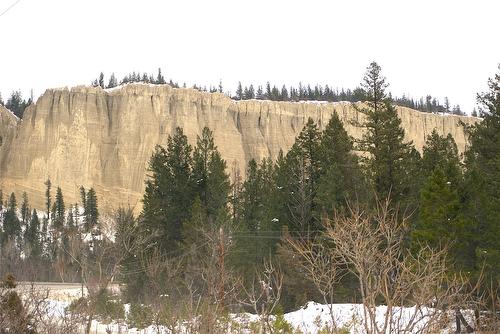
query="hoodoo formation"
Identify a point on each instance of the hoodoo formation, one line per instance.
(104, 138)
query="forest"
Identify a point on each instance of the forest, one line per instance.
(323, 222)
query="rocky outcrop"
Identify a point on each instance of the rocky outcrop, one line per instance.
(104, 138)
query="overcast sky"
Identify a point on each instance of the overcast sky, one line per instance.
(438, 47)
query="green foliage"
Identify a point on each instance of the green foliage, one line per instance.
(59, 211)
(439, 208)
(17, 104)
(441, 152)
(388, 154)
(280, 325)
(341, 178)
(11, 223)
(210, 181)
(140, 316)
(168, 194)
(105, 307)
(481, 197)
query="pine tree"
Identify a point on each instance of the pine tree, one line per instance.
(303, 170)
(32, 236)
(17, 104)
(383, 140)
(11, 224)
(211, 183)
(441, 152)
(92, 212)
(341, 178)
(48, 198)
(160, 80)
(260, 94)
(59, 210)
(25, 210)
(259, 230)
(112, 81)
(269, 94)
(168, 196)
(101, 80)
(83, 197)
(439, 208)
(482, 180)
(239, 92)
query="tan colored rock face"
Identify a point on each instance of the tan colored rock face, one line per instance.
(104, 139)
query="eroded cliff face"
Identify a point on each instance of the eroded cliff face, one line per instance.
(104, 138)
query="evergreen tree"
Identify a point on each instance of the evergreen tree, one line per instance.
(11, 224)
(482, 181)
(439, 208)
(25, 210)
(59, 210)
(92, 212)
(441, 152)
(258, 232)
(239, 92)
(260, 94)
(268, 95)
(168, 195)
(32, 236)
(17, 104)
(101, 80)
(160, 80)
(302, 169)
(384, 140)
(210, 181)
(48, 197)
(341, 178)
(112, 81)
(83, 197)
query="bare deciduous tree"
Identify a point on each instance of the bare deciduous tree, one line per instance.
(264, 294)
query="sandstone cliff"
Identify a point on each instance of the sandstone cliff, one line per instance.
(104, 138)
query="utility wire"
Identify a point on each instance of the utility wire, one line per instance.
(10, 7)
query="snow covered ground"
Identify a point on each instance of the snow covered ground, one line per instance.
(309, 319)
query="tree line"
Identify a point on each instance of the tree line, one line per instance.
(37, 245)
(293, 94)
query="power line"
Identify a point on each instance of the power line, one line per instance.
(10, 7)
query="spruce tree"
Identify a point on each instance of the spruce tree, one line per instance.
(439, 209)
(59, 210)
(239, 92)
(92, 211)
(11, 224)
(210, 181)
(25, 210)
(160, 80)
(112, 81)
(482, 180)
(101, 80)
(168, 196)
(32, 236)
(383, 140)
(441, 152)
(48, 197)
(341, 178)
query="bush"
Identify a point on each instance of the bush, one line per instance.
(140, 316)
(106, 307)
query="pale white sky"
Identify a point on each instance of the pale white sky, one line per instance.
(441, 47)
